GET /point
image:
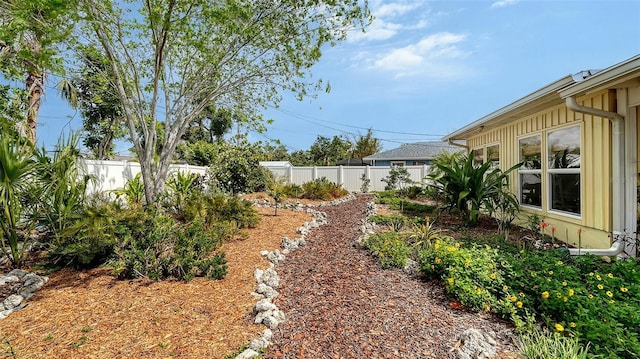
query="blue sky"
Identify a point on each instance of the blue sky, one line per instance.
(426, 68)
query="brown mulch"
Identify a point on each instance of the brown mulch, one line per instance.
(341, 304)
(90, 314)
(338, 301)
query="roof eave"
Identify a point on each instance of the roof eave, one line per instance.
(544, 94)
(606, 78)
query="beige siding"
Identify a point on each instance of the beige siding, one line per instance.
(595, 159)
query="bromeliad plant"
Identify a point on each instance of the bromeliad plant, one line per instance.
(468, 187)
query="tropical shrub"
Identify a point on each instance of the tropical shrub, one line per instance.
(398, 179)
(164, 248)
(468, 188)
(16, 169)
(62, 192)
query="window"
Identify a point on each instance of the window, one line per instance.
(397, 163)
(478, 156)
(530, 173)
(563, 168)
(493, 156)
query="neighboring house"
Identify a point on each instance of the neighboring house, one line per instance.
(412, 154)
(578, 140)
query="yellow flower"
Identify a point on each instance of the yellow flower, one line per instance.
(612, 301)
(519, 304)
(572, 325)
(550, 272)
(600, 286)
(598, 277)
(565, 299)
(564, 283)
(491, 265)
(479, 290)
(513, 298)
(433, 267)
(487, 308)
(559, 295)
(506, 287)
(591, 274)
(438, 260)
(609, 275)
(559, 327)
(451, 280)
(559, 263)
(571, 292)
(624, 290)
(457, 244)
(533, 274)
(492, 276)
(521, 295)
(609, 294)
(590, 296)
(545, 295)
(467, 263)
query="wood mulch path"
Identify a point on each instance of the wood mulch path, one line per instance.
(341, 304)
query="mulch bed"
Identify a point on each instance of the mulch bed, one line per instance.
(338, 301)
(341, 304)
(90, 314)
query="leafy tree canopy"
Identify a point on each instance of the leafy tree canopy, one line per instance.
(172, 59)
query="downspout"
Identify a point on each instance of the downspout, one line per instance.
(450, 141)
(618, 161)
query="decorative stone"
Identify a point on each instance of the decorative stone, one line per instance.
(263, 305)
(12, 301)
(475, 344)
(248, 354)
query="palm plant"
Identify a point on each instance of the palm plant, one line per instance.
(16, 168)
(63, 188)
(468, 187)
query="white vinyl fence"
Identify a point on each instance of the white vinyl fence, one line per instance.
(112, 175)
(348, 176)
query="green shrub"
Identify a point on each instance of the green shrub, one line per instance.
(166, 248)
(219, 208)
(90, 240)
(394, 222)
(473, 274)
(389, 247)
(293, 190)
(322, 188)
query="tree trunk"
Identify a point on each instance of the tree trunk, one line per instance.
(35, 87)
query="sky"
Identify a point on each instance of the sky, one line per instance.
(424, 69)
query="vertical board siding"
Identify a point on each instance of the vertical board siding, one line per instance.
(595, 152)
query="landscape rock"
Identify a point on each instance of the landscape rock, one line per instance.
(12, 301)
(475, 344)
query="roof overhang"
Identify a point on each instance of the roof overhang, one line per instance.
(534, 102)
(623, 74)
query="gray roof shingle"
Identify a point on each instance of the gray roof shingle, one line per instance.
(415, 151)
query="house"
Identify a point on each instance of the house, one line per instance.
(578, 141)
(412, 154)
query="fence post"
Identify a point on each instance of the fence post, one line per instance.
(340, 176)
(314, 173)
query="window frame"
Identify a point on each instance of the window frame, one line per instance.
(397, 163)
(534, 171)
(554, 171)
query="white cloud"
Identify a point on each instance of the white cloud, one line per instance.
(390, 20)
(502, 3)
(433, 56)
(393, 9)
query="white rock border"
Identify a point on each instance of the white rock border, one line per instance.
(267, 312)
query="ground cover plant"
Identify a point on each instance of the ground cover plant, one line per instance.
(595, 305)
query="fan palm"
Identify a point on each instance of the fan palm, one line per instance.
(16, 168)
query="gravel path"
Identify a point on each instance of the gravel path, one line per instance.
(341, 304)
